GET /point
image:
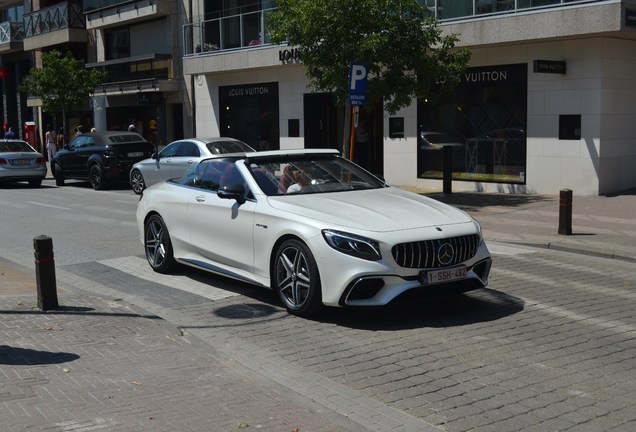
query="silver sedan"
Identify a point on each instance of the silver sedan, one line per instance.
(175, 159)
(20, 162)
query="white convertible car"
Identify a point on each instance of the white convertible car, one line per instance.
(314, 227)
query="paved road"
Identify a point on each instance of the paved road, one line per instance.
(550, 345)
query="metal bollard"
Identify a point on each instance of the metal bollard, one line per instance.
(45, 272)
(565, 212)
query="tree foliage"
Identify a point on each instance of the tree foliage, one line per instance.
(405, 51)
(62, 83)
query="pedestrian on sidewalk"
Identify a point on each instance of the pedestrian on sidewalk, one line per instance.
(60, 140)
(51, 142)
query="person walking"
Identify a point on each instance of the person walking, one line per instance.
(60, 141)
(51, 142)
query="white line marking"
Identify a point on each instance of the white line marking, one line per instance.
(48, 205)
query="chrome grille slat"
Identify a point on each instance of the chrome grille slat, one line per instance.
(423, 254)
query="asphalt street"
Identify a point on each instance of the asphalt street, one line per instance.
(549, 345)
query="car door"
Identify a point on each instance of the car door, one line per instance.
(221, 230)
(75, 161)
(187, 155)
(161, 169)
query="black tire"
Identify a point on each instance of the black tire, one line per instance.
(96, 178)
(296, 279)
(58, 173)
(35, 182)
(158, 246)
(137, 182)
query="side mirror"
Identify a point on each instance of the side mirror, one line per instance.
(233, 191)
(155, 156)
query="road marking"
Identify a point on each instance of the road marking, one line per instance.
(139, 267)
(48, 205)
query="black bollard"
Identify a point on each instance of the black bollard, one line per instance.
(45, 272)
(447, 170)
(565, 212)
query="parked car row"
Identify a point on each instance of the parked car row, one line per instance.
(105, 158)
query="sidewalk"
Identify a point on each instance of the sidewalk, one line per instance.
(98, 363)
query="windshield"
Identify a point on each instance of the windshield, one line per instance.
(309, 174)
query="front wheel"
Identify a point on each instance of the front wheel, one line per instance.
(158, 246)
(296, 279)
(137, 182)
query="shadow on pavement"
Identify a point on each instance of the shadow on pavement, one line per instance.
(25, 356)
(458, 310)
(478, 200)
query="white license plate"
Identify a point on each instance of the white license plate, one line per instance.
(443, 275)
(135, 154)
(21, 162)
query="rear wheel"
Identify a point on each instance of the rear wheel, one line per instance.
(158, 246)
(95, 178)
(296, 278)
(137, 182)
(58, 173)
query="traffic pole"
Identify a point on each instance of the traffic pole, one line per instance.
(45, 273)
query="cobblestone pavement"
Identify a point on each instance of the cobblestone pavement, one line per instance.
(549, 346)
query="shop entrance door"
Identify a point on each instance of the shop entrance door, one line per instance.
(321, 125)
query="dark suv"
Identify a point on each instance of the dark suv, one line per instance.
(100, 157)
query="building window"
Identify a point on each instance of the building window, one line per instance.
(117, 43)
(484, 121)
(570, 127)
(250, 113)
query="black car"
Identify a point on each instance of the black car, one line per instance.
(100, 157)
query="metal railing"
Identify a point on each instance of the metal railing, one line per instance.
(58, 17)
(445, 10)
(150, 66)
(11, 32)
(227, 33)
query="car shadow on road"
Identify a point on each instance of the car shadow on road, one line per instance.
(449, 311)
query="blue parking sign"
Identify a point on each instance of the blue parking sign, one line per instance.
(358, 78)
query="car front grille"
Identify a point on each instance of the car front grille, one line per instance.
(436, 253)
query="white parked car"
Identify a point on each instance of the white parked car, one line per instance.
(314, 227)
(175, 159)
(20, 162)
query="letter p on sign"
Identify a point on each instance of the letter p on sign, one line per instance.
(358, 79)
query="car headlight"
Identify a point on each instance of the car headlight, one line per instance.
(478, 226)
(350, 244)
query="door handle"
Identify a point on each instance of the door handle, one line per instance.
(200, 198)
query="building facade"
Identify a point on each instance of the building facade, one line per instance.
(547, 104)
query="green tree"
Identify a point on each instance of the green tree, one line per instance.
(404, 49)
(62, 83)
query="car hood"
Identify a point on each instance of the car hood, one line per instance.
(386, 209)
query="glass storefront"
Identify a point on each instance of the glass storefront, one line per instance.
(484, 123)
(250, 113)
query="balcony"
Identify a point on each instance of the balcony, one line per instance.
(11, 37)
(240, 31)
(149, 72)
(59, 24)
(106, 13)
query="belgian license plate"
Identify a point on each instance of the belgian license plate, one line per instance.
(451, 274)
(135, 154)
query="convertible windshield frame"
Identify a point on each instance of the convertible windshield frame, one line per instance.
(312, 173)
